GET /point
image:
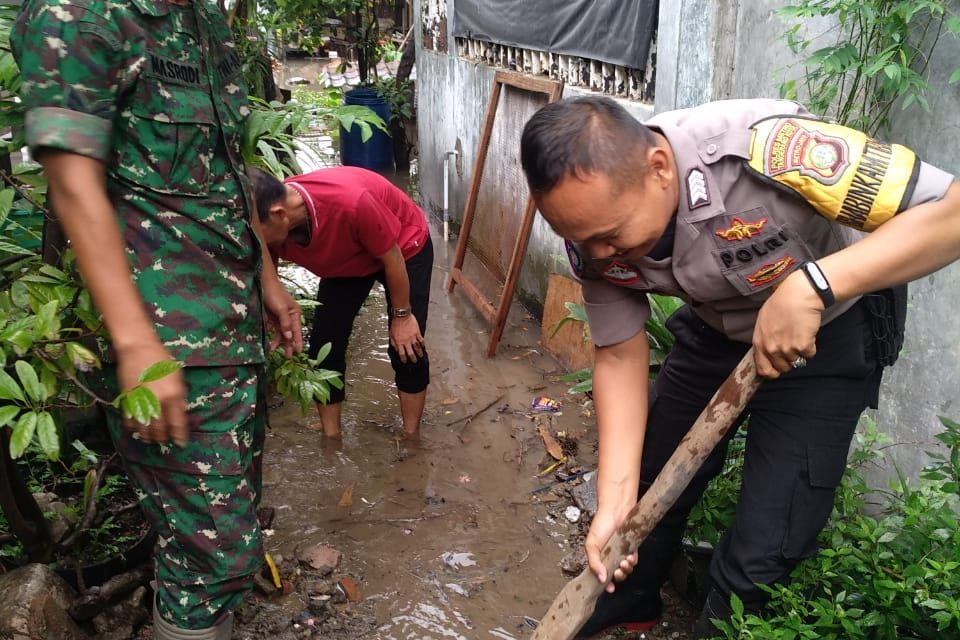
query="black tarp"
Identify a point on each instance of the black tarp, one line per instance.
(616, 31)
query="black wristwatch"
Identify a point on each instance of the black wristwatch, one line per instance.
(819, 283)
(399, 312)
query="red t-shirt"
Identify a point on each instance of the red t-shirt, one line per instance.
(356, 216)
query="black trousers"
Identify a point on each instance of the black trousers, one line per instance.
(800, 428)
(341, 299)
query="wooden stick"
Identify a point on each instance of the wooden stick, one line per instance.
(574, 605)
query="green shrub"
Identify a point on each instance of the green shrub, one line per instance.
(658, 336)
(895, 575)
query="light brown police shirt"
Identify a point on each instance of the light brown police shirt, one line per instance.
(761, 185)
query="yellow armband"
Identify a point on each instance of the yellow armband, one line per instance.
(844, 174)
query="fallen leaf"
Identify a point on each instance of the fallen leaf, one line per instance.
(346, 500)
(552, 446)
(448, 401)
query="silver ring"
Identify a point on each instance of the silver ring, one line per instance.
(799, 363)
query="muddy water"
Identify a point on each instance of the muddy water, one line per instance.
(443, 534)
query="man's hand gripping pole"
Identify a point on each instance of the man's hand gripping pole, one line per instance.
(575, 602)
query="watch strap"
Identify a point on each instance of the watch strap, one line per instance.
(819, 283)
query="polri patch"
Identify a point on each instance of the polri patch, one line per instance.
(741, 230)
(697, 194)
(770, 271)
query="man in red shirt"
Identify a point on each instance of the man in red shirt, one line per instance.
(352, 227)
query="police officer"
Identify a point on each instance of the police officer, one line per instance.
(134, 109)
(734, 207)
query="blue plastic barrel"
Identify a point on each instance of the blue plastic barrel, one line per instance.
(377, 152)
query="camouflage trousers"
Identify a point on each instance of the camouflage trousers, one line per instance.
(202, 499)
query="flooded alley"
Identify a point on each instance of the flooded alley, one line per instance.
(446, 538)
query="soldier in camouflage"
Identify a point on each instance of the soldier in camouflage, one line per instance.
(135, 110)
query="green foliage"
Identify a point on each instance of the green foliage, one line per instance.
(302, 379)
(576, 312)
(268, 136)
(270, 131)
(47, 321)
(11, 110)
(658, 336)
(945, 468)
(880, 54)
(399, 97)
(583, 379)
(714, 512)
(389, 52)
(895, 575)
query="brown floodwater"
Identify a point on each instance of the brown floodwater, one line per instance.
(444, 535)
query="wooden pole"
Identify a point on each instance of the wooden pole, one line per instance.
(574, 605)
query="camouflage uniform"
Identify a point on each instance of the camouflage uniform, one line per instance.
(154, 91)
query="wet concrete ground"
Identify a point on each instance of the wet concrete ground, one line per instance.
(444, 534)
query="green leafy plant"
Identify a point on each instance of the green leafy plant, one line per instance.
(895, 575)
(270, 131)
(658, 336)
(577, 313)
(714, 512)
(398, 96)
(945, 468)
(879, 54)
(303, 379)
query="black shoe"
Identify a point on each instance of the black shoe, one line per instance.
(625, 610)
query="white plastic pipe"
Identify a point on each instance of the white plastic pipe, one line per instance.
(446, 194)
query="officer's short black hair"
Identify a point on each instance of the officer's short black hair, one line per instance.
(590, 134)
(267, 191)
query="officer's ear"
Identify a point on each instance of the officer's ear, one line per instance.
(660, 166)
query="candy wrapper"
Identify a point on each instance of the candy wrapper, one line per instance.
(543, 404)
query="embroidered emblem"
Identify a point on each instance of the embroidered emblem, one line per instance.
(741, 230)
(812, 153)
(576, 260)
(770, 272)
(843, 174)
(620, 273)
(697, 194)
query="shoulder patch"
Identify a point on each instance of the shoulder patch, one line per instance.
(844, 174)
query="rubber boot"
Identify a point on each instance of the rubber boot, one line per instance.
(163, 630)
(717, 607)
